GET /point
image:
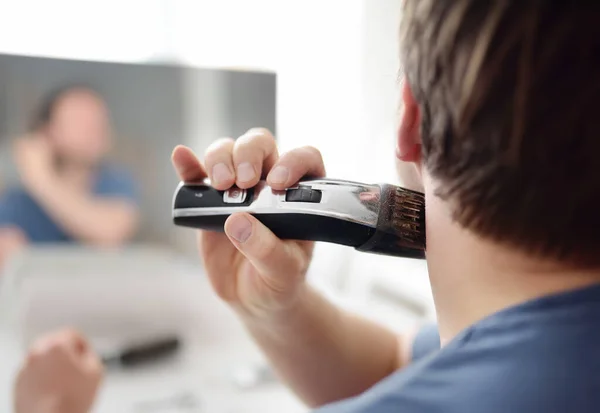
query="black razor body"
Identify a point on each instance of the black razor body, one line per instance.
(382, 219)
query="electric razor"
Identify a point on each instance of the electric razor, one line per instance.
(374, 218)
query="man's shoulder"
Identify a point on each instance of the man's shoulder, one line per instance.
(19, 209)
(114, 179)
(13, 196)
(114, 172)
(523, 373)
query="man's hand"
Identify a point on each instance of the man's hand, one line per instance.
(260, 275)
(323, 353)
(33, 156)
(11, 241)
(61, 374)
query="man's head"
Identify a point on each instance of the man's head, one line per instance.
(500, 111)
(76, 121)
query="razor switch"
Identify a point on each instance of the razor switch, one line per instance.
(303, 195)
(234, 196)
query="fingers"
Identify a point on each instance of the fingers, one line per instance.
(294, 165)
(271, 256)
(219, 163)
(245, 161)
(67, 341)
(81, 352)
(186, 164)
(229, 162)
(92, 364)
(76, 342)
(253, 153)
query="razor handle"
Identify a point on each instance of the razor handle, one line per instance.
(339, 212)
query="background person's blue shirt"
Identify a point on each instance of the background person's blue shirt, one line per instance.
(19, 209)
(541, 356)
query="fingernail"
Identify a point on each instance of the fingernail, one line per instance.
(245, 172)
(279, 175)
(240, 229)
(221, 173)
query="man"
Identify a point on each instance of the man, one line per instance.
(500, 122)
(69, 193)
(61, 374)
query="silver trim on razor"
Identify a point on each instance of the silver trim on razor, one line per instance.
(346, 200)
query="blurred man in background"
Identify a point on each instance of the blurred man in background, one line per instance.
(61, 374)
(68, 193)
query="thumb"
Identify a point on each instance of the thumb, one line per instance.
(272, 257)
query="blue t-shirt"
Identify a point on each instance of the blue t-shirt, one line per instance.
(540, 356)
(19, 209)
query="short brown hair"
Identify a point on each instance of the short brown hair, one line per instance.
(509, 93)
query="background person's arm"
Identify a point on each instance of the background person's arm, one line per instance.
(97, 220)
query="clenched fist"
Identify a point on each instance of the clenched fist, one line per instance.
(61, 374)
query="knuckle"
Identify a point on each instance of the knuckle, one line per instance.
(312, 152)
(55, 348)
(301, 160)
(70, 335)
(218, 148)
(33, 356)
(70, 332)
(292, 157)
(256, 142)
(262, 132)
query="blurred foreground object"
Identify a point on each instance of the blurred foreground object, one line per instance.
(61, 374)
(116, 297)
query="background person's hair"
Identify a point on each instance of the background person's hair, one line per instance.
(509, 92)
(44, 111)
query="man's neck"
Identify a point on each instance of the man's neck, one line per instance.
(472, 278)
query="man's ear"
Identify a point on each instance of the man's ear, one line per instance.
(409, 134)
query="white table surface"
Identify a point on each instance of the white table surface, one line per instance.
(215, 345)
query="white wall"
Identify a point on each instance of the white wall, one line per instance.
(313, 45)
(115, 30)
